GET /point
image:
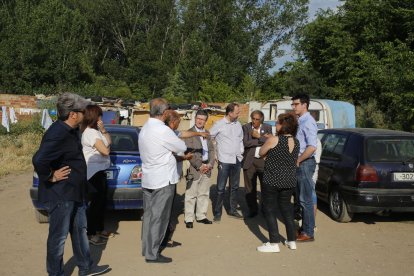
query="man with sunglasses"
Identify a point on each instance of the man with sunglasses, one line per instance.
(61, 168)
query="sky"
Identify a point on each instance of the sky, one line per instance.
(314, 6)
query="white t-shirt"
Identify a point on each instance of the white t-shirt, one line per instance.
(95, 161)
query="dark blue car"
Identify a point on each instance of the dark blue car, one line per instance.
(366, 170)
(124, 175)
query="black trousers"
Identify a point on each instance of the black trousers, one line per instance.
(96, 211)
(275, 199)
(250, 176)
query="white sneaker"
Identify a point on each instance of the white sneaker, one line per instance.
(291, 245)
(269, 248)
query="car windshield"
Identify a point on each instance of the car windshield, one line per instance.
(124, 141)
(396, 149)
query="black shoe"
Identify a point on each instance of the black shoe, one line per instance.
(161, 259)
(98, 270)
(174, 244)
(252, 214)
(235, 215)
(189, 224)
(205, 221)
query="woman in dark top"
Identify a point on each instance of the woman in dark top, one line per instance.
(279, 181)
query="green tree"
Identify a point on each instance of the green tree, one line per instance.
(42, 45)
(364, 53)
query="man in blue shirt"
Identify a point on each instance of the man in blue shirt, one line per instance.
(307, 136)
(61, 168)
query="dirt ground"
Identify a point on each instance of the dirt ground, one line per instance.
(369, 245)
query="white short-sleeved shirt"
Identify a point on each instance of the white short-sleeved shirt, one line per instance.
(95, 161)
(157, 143)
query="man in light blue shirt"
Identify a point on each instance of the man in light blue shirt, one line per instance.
(308, 139)
(228, 134)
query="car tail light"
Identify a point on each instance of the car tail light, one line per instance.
(136, 173)
(366, 173)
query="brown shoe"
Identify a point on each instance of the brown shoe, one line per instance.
(304, 238)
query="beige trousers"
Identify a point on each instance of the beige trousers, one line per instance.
(196, 198)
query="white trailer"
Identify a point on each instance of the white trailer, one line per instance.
(327, 113)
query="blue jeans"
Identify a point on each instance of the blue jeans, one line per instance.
(67, 217)
(306, 190)
(232, 172)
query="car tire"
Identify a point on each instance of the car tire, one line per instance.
(41, 216)
(337, 207)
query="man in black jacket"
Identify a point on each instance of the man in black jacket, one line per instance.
(61, 168)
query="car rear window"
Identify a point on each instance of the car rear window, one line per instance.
(396, 149)
(124, 141)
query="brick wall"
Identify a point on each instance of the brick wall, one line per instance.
(17, 102)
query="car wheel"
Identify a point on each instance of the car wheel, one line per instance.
(337, 207)
(41, 216)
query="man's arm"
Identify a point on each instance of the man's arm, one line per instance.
(196, 161)
(189, 134)
(311, 138)
(248, 140)
(172, 142)
(48, 153)
(306, 154)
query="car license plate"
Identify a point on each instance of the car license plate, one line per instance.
(109, 175)
(406, 176)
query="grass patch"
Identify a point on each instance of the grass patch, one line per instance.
(18, 150)
(19, 146)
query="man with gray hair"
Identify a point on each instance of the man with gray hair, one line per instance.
(61, 168)
(157, 143)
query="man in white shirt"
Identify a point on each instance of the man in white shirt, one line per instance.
(157, 143)
(228, 134)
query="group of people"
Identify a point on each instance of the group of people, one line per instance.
(74, 154)
(284, 164)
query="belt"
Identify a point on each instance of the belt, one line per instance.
(310, 158)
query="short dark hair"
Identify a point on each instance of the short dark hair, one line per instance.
(260, 113)
(202, 112)
(230, 107)
(171, 116)
(288, 123)
(304, 98)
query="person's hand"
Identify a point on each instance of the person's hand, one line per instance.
(101, 127)
(255, 134)
(188, 156)
(61, 174)
(204, 134)
(267, 135)
(204, 168)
